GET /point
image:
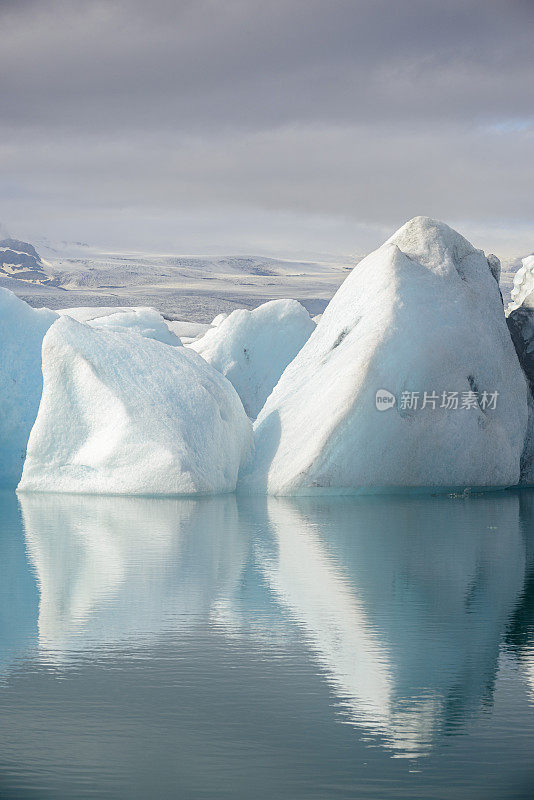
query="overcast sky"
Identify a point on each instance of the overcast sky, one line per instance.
(291, 127)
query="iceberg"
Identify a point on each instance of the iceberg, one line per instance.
(21, 334)
(521, 326)
(218, 319)
(124, 415)
(187, 331)
(143, 320)
(252, 348)
(419, 322)
(523, 289)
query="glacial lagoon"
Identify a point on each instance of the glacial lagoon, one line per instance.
(263, 647)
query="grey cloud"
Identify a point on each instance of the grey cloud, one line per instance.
(234, 63)
(363, 110)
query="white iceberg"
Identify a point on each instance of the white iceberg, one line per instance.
(523, 290)
(145, 321)
(21, 334)
(125, 415)
(187, 331)
(218, 319)
(252, 348)
(422, 314)
(90, 313)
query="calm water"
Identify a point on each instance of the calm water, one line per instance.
(254, 648)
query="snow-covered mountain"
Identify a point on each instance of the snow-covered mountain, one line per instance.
(20, 260)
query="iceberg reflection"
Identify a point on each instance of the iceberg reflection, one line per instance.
(18, 593)
(520, 632)
(112, 567)
(403, 600)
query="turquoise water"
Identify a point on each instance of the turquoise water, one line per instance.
(378, 647)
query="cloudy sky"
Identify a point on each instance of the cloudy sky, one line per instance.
(291, 127)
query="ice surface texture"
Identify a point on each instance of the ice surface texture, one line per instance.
(252, 348)
(121, 414)
(421, 313)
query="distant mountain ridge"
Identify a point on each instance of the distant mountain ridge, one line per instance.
(184, 286)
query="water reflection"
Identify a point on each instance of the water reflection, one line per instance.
(18, 594)
(108, 568)
(403, 603)
(520, 633)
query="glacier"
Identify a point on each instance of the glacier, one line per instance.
(252, 348)
(21, 334)
(422, 314)
(121, 414)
